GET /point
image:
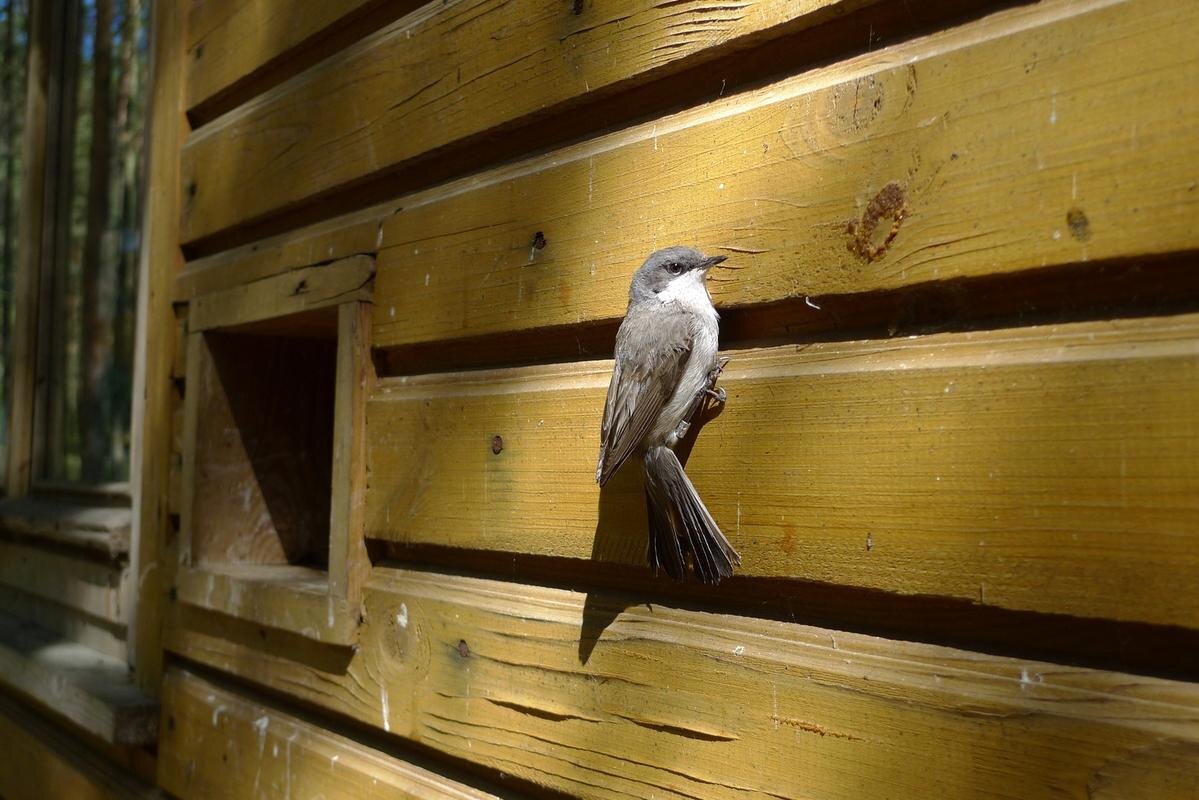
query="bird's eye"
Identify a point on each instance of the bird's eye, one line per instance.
(674, 268)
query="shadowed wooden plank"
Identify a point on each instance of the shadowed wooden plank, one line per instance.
(92, 690)
(598, 698)
(220, 744)
(1052, 469)
(986, 149)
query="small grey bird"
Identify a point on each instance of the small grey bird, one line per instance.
(665, 366)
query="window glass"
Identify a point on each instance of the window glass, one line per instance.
(88, 364)
(13, 45)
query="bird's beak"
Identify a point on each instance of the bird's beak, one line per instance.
(712, 261)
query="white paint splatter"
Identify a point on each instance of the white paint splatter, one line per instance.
(391, 312)
(809, 303)
(386, 713)
(739, 649)
(216, 715)
(402, 617)
(1053, 109)
(331, 618)
(427, 276)
(260, 725)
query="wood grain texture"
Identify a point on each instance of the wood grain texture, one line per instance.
(330, 240)
(159, 345)
(1049, 469)
(445, 72)
(263, 450)
(672, 703)
(990, 148)
(87, 586)
(348, 561)
(289, 598)
(102, 529)
(92, 690)
(229, 40)
(221, 744)
(41, 761)
(300, 290)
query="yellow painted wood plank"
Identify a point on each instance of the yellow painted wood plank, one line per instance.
(78, 582)
(99, 528)
(672, 703)
(291, 598)
(348, 561)
(342, 281)
(330, 240)
(42, 761)
(160, 345)
(228, 40)
(445, 72)
(1051, 469)
(221, 744)
(1040, 136)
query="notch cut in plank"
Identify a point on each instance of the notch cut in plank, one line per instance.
(1049, 469)
(90, 587)
(291, 598)
(92, 690)
(294, 292)
(43, 761)
(450, 71)
(594, 697)
(986, 149)
(359, 233)
(219, 743)
(102, 529)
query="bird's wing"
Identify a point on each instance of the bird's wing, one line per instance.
(644, 378)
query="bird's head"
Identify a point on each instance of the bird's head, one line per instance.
(670, 270)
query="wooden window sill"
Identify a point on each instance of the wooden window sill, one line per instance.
(92, 690)
(290, 598)
(98, 528)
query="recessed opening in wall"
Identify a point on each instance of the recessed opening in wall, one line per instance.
(264, 443)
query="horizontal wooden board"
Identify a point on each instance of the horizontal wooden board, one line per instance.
(294, 292)
(1052, 469)
(291, 598)
(330, 240)
(42, 761)
(445, 72)
(97, 634)
(220, 744)
(671, 703)
(230, 40)
(92, 587)
(92, 690)
(99, 528)
(992, 148)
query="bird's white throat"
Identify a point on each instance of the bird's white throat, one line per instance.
(690, 291)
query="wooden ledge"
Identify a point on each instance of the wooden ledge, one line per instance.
(42, 759)
(290, 598)
(100, 528)
(92, 690)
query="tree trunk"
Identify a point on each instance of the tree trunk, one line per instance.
(96, 352)
(10, 111)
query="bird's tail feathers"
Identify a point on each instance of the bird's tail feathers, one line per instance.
(679, 523)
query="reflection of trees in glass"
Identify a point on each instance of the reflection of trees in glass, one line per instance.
(13, 38)
(90, 370)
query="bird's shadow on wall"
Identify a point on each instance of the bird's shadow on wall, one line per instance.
(622, 536)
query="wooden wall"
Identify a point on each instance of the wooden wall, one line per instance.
(959, 457)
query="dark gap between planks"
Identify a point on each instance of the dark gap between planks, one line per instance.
(441, 764)
(756, 62)
(1092, 643)
(1095, 290)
